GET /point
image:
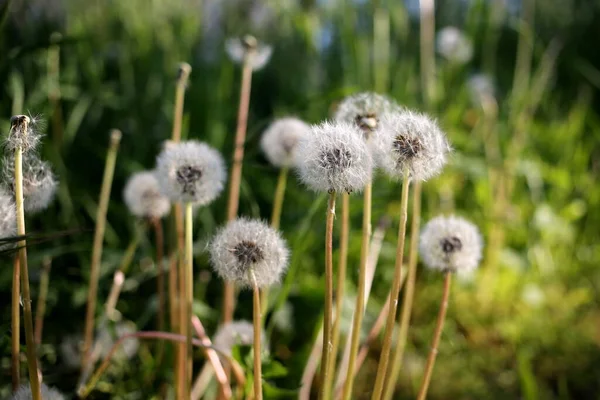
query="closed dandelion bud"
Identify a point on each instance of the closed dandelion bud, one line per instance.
(39, 182)
(280, 140)
(451, 244)
(143, 197)
(258, 54)
(335, 158)
(24, 393)
(190, 172)
(410, 140)
(22, 134)
(8, 215)
(235, 333)
(453, 45)
(364, 110)
(247, 249)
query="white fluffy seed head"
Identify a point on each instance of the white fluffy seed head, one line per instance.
(410, 140)
(364, 110)
(451, 244)
(280, 140)
(258, 53)
(39, 182)
(334, 157)
(8, 215)
(24, 393)
(190, 172)
(245, 246)
(143, 197)
(453, 45)
(481, 87)
(23, 134)
(235, 333)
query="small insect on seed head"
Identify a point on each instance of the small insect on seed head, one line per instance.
(451, 244)
(247, 249)
(365, 110)
(143, 197)
(280, 140)
(334, 158)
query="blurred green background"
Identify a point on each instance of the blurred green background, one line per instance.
(526, 326)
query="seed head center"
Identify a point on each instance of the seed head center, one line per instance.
(336, 159)
(187, 176)
(451, 244)
(407, 148)
(248, 253)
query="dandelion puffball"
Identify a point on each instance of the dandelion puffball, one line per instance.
(245, 246)
(8, 215)
(143, 197)
(39, 182)
(234, 333)
(24, 393)
(258, 53)
(364, 110)
(190, 172)
(334, 157)
(453, 45)
(22, 134)
(280, 140)
(410, 140)
(450, 244)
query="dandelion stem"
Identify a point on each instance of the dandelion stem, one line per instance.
(40, 308)
(182, 79)
(427, 33)
(360, 296)
(394, 293)
(27, 315)
(109, 168)
(16, 325)
(436, 338)
(119, 277)
(275, 220)
(327, 316)
(311, 366)
(189, 293)
(256, 319)
(340, 285)
(160, 278)
(236, 171)
(409, 291)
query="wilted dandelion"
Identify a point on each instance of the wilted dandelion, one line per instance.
(279, 142)
(453, 45)
(24, 393)
(447, 244)
(413, 141)
(23, 134)
(365, 110)
(8, 216)
(143, 197)
(190, 172)
(39, 182)
(248, 49)
(450, 244)
(335, 158)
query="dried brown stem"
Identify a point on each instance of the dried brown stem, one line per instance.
(16, 325)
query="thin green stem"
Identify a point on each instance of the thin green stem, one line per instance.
(427, 33)
(119, 277)
(16, 325)
(40, 309)
(184, 72)
(256, 319)
(340, 286)
(407, 301)
(109, 168)
(326, 353)
(189, 277)
(436, 338)
(22, 122)
(360, 296)
(394, 293)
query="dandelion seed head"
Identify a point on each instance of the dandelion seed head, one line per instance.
(480, 87)
(239, 48)
(245, 245)
(450, 244)
(190, 171)
(23, 133)
(8, 216)
(39, 182)
(235, 333)
(280, 140)
(24, 393)
(454, 45)
(364, 110)
(410, 140)
(335, 158)
(143, 197)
